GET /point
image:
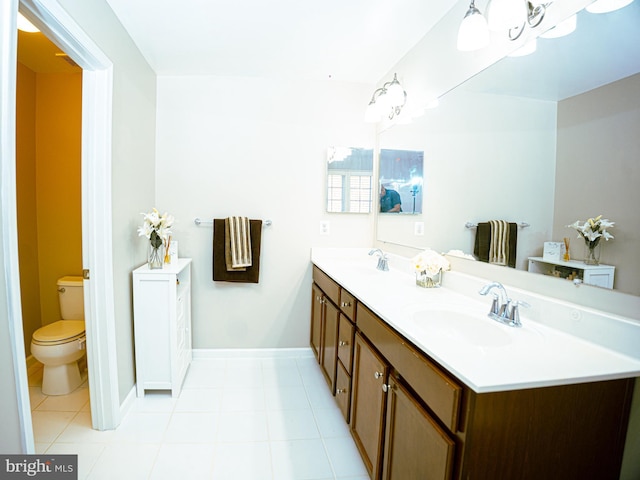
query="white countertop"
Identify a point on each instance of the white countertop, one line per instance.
(487, 356)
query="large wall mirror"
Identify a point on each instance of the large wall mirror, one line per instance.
(542, 140)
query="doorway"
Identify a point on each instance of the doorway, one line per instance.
(60, 28)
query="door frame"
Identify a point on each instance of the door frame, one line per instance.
(97, 87)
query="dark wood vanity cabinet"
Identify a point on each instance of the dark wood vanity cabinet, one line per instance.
(411, 419)
(332, 335)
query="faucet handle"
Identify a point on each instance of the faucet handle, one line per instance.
(514, 316)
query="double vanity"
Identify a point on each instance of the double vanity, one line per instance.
(432, 388)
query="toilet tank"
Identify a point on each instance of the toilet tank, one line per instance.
(70, 298)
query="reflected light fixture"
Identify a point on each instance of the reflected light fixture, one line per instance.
(474, 32)
(605, 6)
(387, 100)
(504, 14)
(25, 25)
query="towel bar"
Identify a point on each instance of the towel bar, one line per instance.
(474, 225)
(199, 222)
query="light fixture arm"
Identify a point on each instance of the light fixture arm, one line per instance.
(535, 15)
(384, 90)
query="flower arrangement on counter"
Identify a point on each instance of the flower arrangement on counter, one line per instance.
(157, 229)
(428, 267)
(592, 231)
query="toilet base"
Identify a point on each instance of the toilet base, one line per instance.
(61, 379)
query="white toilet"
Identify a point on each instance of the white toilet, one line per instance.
(60, 345)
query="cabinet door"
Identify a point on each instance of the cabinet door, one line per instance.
(343, 391)
(329, 348)
(345, 343)
(415, 446)
(316, 320)
(368, 404)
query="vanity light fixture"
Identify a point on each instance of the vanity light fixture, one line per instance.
(387, 100)
(25, 25)
(474, 32)
(605, 6)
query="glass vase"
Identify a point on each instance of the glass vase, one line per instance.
(155, 256)
(592, 254)
(426, 281)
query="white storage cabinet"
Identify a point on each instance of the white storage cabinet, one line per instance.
(599, 275)
(162, 326)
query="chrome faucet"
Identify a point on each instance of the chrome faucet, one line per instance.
(383, 260)
(503, 309)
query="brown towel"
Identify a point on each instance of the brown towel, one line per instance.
(250, 274)
(483, 243)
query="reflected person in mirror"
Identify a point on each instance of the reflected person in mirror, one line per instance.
(389, 200)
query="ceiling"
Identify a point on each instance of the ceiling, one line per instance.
(346, 40)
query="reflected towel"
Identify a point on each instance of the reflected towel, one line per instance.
(499, 250)
(483, 242)
(237, 246)
(249, 274)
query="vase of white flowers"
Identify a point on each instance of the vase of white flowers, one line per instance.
(156, 229)
(593, 231)
(428, 267)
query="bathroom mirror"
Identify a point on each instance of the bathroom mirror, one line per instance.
(349, 179)
(401, 181)
(514, 143)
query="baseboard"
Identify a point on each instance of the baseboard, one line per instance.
(32, 364)
(252, 352)
(127, 404)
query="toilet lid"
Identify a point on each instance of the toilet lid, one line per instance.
(59, 331)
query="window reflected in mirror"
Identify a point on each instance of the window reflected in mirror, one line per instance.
(401, 185)
(349, 179)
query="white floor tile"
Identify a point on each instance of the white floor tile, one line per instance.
(199, 400)
(124, 462)
(292, 425)
(192, 427)
(142, 428)
(287, 398)
(154, 402)
(242, 461)
(236, 418)
(331, 422)
(243, 427)
(344, 457)
(80, 431)
(183, 461)
(47, 426)
(88, 454)
(243, 399)
(73, 402)
(300, 460)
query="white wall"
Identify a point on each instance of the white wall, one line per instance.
(256, 148)
(132, 168)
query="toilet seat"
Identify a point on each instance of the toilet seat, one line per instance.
(58, 333)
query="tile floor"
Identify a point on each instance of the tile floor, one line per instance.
(254, 419)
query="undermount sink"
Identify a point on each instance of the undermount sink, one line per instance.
(470, 328)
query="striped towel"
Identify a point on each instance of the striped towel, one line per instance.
(499, 247)
(237, 243)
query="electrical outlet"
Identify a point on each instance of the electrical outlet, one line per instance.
(325, 228)
(418, 228)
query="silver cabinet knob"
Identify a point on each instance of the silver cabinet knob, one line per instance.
(342, 343)
(341, 390)
(378, 375)
(345, 304)
(386, 387)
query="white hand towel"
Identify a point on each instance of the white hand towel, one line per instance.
(499, 246)
(240, 242)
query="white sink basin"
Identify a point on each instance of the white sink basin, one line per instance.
(469, 328)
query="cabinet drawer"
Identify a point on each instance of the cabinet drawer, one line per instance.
(343, 391)
(346, 331)
(435, 387)
(348, 304)
(328, 286)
